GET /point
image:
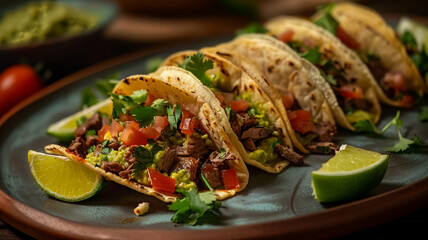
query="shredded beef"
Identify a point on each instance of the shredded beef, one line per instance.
(248, 121)
(321, 147)
(325, 131)
(288, 154)
(212, 174)
(189, 164)
(126, 174)
(169, 159)
(93, 123)
(195, 147)
(113, 143)
(113, 167)
(249, 144)
(91, 140)
(256, 133)
(129, 157)
(78, 146)
(235, 123)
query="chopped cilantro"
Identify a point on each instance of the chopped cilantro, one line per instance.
(252, 28)
(313, 55)
(144, 159)
(423, 116)
(366, 126)
(81, 120)
(327, 21)
(276, 143)
(132, 104)
(198, 66)
(206, 182)
(139, 96)
(91, 132)
(324, 149)
(195, 207)
(174, 115)
(144, 115)
(227, 110)
(160, 105)
(409, 41)
(222, 153)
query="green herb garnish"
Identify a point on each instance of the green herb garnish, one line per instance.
(174, 115)
(252, 28)
(198, 66)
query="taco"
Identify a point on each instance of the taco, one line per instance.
(351, 95)
(290, 83)
(160, 139)
(397, 80)
(248, 116)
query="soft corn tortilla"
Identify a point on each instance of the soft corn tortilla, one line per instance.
(369, 29)
(284, 70)
(187, 100)
(234, 80)
(344, 58)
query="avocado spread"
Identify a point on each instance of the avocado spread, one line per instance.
(257, 109)
(264, 152)
(38, 21)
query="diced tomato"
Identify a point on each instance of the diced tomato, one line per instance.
(105, 129)
(115, 128)
(396, 81)
(132, 124)
(160, 123)
(124, 118)
(287, 100)
(406, 100)
(230, 179)
(132, 136)
(351, 91)
(160, 182)
(149, 100)
(287, 36)
(188, 126)
(151, 133)
(301, 121)
(346, 38)
(240, 105)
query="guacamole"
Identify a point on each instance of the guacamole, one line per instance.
(39, 21)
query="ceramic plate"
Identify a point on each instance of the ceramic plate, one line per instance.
(272, 205)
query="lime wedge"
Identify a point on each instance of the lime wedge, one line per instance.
(419, 32)
(352, 172)
(63, 178)
(64, 129)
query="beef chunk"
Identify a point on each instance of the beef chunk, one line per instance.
(321, 147)
(325, 131)
(93, 123)
(288, 154)
(249, 144)
(189, 164)
(248, 121)
(126, 174)
(113, 143)
(236, 123)
(169, 159)
(113, 167)
(255, 133)
(195, 147)
(78, 146)
(212, 174)
(129, 157)
(91, 140)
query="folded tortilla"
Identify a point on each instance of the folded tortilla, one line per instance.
(283, 71)
(376, 38)
(187, 100)
(352, 68)
(236, 81)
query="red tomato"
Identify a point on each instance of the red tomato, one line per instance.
(160, 182)
(103, 132)
(287, 100)
(346, 38)
(351, 91)
(132, 124)
(287, 36)
(291, 115)
(396, 81)
(149, 100)
(301, 121)
(406, 100)
(17, 83)
(151, 133)
(230, 179)
(160, 123)
(132, 136)
(115, 128)
(188, 126)
(240, 105)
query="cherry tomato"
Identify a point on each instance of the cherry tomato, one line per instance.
(346, 38)
(160, 182)
(17, 83)
(286, 36)
(240, 105)
(230, 179)
(351, 91)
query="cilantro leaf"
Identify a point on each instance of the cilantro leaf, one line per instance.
(252, 28)
(222, 153)
(423, 116)
(401, 145)
(195, 207)
(91, 132)
(227, 110)
(313, 55)
(328, 22)
(105, 86)
(198, 66)
(174, 115)
(409, 41)
(404, 145)
(88, 98)
(143, 115)
(139, 96)
(160, 105)
(144, 159)
(206, 182)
